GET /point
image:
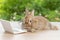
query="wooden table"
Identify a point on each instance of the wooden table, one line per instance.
(42, 35)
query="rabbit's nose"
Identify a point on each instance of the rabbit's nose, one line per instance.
(26, 22)
(25, 28)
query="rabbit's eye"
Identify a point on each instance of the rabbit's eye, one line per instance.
(30, 20)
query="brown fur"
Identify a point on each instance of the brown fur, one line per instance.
(34, 23)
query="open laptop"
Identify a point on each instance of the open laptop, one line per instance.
(12, 27)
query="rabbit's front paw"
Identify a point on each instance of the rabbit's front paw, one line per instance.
(33, 30)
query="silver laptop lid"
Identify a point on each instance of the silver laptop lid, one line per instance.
(6, 25)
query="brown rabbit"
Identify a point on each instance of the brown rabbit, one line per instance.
(36, 23)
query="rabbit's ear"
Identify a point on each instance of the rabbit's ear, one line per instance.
(32, 12)
(26, 11)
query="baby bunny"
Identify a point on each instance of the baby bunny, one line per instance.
(36, 23)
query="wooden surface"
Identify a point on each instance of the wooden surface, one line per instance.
(42, 35)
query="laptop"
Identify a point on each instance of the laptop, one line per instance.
(12, 27)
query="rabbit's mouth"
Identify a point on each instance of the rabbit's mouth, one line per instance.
(26, 22)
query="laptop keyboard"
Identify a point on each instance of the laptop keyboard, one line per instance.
(16, 30)
(19, 30)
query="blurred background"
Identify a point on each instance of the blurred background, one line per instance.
(14, 9)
